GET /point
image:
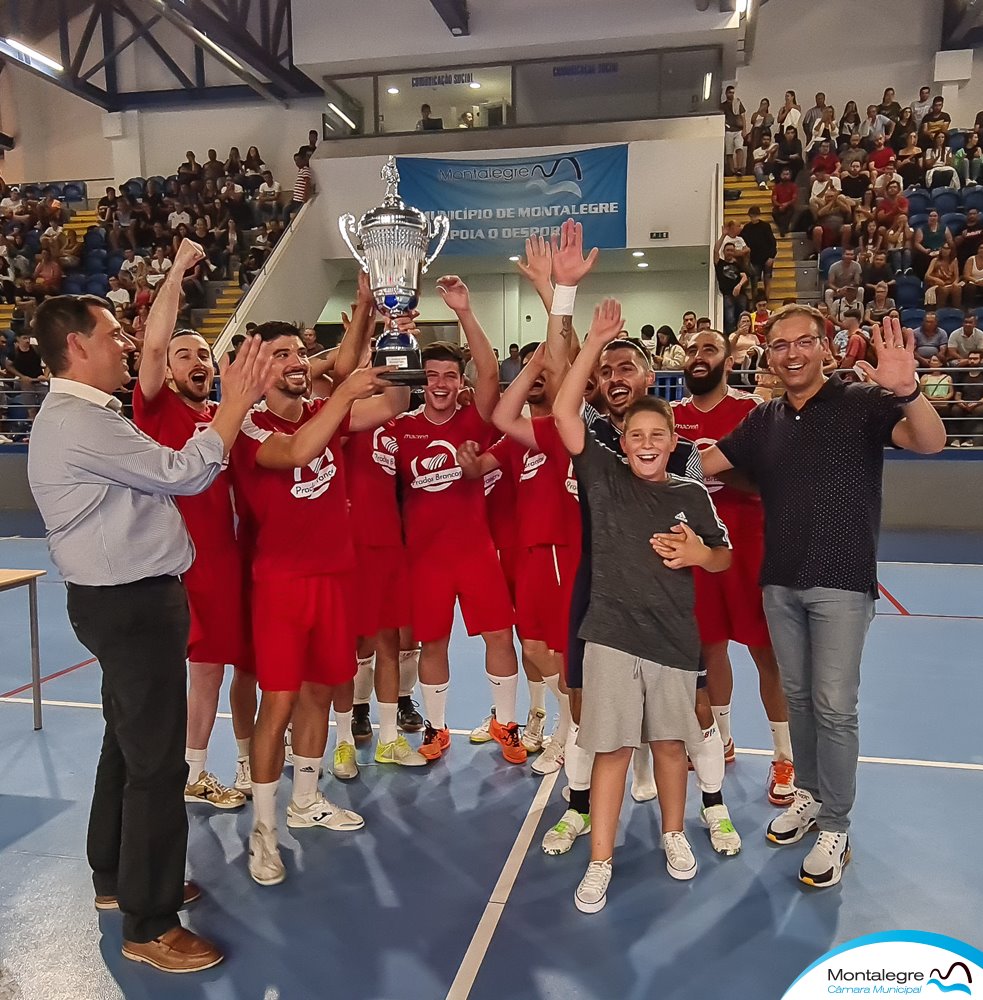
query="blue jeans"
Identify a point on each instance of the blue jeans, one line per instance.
(734, 305)
(818, 635)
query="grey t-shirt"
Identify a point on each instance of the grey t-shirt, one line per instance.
(637, 604)
(963, 345)
(845, 274)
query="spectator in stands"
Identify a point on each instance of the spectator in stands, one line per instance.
(826, 158)
(850, 299)
(881, 154)
(230, 188)
(117, 294)
(177, 217)
(734, 129)
(194, 288)
(896, 243)
(855, 185)
(248, 270)
(106, 207)
(762, 250)
(921, 107)
(253, 165)
(887, 176)
(967, 340)
(891, 205)
(312, 140)
(47, 277)
(213, 169)
(228, 250)
(889, 107)
(790, 114)
(937, 164)
(784, 198)
(969, 400)
(732, 280)
(189, 172)
(425, 112)
(267, 198)
(909, 161)
(730, 237)
(830, 209)
(858, 346)
(788, 156)
(853, 150)
(813, 115)
(158, 267)
(668, 353)
(849, 127)
(759, 318)
(8, 286)
(845, 273)
(904, 126)
(930, 339)
(824, 129)
(509, 369)
(143, 294)
(935, 122)
(973, 278)
(969, 240)
(928, 241)
(24, 364)
(943, 285)
(937, 387)
(303, 185)
(233, 165)
(875, 124)
(880, 305)
(217, 216)
(689, 324)
(762, 157)
(748, 355)
(968, 161)
(761, 121)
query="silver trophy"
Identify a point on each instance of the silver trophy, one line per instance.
(393, 244)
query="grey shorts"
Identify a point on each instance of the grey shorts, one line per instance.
(629, 701)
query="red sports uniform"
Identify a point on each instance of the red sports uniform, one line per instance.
(382, 585)
(303, 559)
(500, 507)
(214, 581)
(728, 604)
(451, 552)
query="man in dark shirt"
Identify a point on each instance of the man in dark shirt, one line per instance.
(969, 402)
(814, 454)
(732, 280)
(784, 196)
(106, 207)
(789, 153)
(24, 363)
(969, 240)
(878, 270)
(763, 247)
(855, 183)
(936, 120)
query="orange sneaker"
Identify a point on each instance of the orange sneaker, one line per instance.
(435, 741)
(508, 737)
(781, 783)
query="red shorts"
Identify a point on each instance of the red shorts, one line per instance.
(302, 631)
(728, 604)
(474, 576)
(382, 589)
(509, 558)
(543, 586)
(218, 618)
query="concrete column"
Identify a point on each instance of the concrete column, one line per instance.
(953, 70)
(123, 130)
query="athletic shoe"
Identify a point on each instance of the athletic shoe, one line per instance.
(824, 864)
(551, 759)
(408, 719)
(535, 731)
(321, 812)
(399, 752)
(507, 737)
(244, 778)
(560, 839)
(482, 733)
(642, 778)
(724, 839)
(592, 893)
(265, 863)
(796, 821)
(781, 782)
(288, 747)
(730, 754)
(361, 723)
(680, 862)
(435, 741)
(344, 768)
(209, 790)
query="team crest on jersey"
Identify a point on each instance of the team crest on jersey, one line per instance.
(384, 448)
(436, 468)
(532, 462)
(322, 468)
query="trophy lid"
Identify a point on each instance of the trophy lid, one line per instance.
(393, 211)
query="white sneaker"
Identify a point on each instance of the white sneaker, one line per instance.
(592, 893)
(244, 779)
(796, 821)
(535, 731)
(680, 862)
(399, 752)
(265, 864)
(321, 812)
(551, 759)
(288, 746)
(344, 767)
(823, 865)
(482, 733)
(560, 838)
(724, 839)
(642, 776)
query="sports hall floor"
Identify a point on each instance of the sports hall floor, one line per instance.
(446, 888)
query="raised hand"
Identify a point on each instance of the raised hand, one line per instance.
(538, 264)
(679, 547)
(570, 266)
(364, 289)
(606, 325)
(188, 255)
(896, 368)
(247, 378)
(454, 293)
(366, 382)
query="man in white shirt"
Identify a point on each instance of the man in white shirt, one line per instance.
(128, 268)
(921, 107)
(730, 236)
(117, 294)
(176, 217)
(268, 196)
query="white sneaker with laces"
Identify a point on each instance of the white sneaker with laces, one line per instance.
(265, 863)
(643, 787)
(680, 862)
(551, 759)
(724, 839)
(535, 731)
(244, 779)
(592, 893)
(560, 838)
(323, 813)
(482, 733)
(344, 766)
(823, 865)
(796, 821)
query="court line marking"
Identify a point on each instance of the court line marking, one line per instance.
(49, 677)
(897, 604)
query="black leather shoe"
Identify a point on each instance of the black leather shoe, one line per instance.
(361, 724)
(408, 719)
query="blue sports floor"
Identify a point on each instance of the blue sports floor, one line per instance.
(446, 893)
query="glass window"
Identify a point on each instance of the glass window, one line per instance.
(348, 107)
(689, 83)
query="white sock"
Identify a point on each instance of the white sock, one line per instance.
(364, 678)
(343, 728)
(721, 715)
(503, 696)
(242, 748)
(577, 763)
(387, 722)
(537, 696)
(196, 763)
(264, 804)
(708, 760)
(782, 740)
(563, 700)
(306, 773)
(409, 671)
(435, 703)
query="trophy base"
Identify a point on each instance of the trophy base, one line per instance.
(408, 363)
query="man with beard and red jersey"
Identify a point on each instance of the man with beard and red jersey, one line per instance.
(171, 403)
(451, 552)
(729, 604)
(289, 477)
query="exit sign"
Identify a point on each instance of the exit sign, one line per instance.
(662, 235)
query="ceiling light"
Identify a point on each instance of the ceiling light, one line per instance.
(474, 85)
(341, 114)
(707, 81)
(393, 91)
(34, 55)
(638, 253)
(514, 258)
(642, 263)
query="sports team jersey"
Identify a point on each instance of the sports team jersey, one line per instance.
(370, 470)
(706, 428)
(170, 421)
(300, 516)
(438, 502)
(500, 497)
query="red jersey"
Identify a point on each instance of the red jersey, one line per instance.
(439, 504)
(500, 497)
(370, 468)
(172, 422)
(300, 516)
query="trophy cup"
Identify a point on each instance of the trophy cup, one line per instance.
(394, 240)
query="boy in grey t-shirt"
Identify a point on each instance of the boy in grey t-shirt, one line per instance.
(647, 529)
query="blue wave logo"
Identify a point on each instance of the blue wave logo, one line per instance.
(568, 187)
(952, 987)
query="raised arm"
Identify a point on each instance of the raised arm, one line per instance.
(570, 267)
(537, 268)
(358, 333)
(508, 416)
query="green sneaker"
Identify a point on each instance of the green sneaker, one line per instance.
(560, 839)
(399, 752)
(345, 768)
(724, 839)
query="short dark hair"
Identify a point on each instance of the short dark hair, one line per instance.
(853, 314)
(275, 329)
(237, 341)
(651, 404)
(516, 346)
(250, 327)
(754, 210)
(628, 343)
(443, 350)
(528, 349)
(704, 319)
(648, 332)
(59, 316)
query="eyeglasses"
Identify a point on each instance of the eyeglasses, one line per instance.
(783, 346)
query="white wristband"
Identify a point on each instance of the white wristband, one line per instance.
(564, 297)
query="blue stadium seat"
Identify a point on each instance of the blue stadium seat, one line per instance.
(31, 191)
(973, 198)
(950, 319)
(978, 313)
(919, 201)
(97, 284)
(827, 259)
(32, 239)
(133, 188)
(73, 284)
(917, 220)
(94, 262)
(159, 180)
(957, 139)
(54, 191)
(945, 200)
(908, 291)
(94, 239)
(74, 191)
(113, 264)
(912, 316)
(954, 221)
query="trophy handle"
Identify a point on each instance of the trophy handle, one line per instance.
(346, 224)
(441, 229)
